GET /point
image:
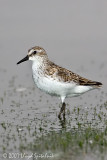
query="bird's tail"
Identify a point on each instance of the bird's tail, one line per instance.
(94, 84)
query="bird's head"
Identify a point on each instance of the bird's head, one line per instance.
(34, 53)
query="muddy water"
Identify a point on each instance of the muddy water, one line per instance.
(74, 36)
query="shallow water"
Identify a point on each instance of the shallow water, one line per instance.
(74, 35)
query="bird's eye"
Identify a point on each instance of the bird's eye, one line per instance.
(34, 52)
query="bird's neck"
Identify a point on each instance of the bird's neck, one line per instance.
(39, 63)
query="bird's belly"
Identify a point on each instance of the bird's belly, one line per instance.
(59, 88)
(54, 87)
(49, 85)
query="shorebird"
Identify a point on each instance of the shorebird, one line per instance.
(55, 80)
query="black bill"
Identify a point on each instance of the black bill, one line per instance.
(24, 59)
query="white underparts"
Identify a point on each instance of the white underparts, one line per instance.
(54, 86)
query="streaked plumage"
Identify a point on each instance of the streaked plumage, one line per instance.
(56, 80)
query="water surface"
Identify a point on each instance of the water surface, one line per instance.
(74, 34)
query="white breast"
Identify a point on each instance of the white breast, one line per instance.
(55, 87)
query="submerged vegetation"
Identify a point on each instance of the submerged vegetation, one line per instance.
(28, 127)
(71, 143)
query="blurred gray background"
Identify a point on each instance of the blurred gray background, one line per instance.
(74, 34)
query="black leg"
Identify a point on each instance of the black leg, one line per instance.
(64, 105)
(62, 110)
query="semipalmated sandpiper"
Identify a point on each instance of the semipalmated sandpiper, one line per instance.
(56, 80)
